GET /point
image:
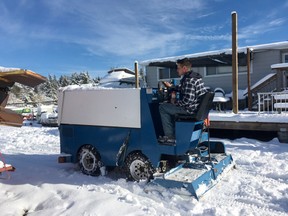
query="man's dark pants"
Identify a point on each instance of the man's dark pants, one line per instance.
(167, 113)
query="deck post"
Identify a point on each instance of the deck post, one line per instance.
(234, 63)
(136, 74)
(249, 80)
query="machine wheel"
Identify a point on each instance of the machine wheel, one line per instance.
(138, 167)
(89, 160)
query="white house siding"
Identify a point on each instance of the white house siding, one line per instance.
(262, 59)
(225, 82)
(260, 67)
(152, 76)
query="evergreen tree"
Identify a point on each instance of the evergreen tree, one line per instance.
(49, 89)
(64, 81)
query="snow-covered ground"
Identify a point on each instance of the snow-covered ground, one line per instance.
(41, 186)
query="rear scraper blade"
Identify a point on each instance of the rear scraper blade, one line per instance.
(196, 177)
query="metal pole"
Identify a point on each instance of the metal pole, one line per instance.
(234, 62)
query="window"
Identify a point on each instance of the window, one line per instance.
(164, 73)
(285, 58)
(222, 70)
(167, 73)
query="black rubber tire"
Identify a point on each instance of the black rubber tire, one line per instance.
(89, 160)
(138, 167)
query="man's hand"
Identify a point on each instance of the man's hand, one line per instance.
(167, 84)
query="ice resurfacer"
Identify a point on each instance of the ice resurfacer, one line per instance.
(109, 127)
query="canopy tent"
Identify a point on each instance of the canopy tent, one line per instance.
(8, 76)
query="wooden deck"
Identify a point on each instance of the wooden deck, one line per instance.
(251, 121)
(254, 126)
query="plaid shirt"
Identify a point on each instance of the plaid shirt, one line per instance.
(191, 87)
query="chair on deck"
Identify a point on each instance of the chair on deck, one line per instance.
(220, 99)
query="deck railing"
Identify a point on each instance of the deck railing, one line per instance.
(273, 102)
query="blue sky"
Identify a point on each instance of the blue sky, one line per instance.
(64, 36)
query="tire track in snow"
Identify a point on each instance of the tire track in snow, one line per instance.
(260, 202)
(248, 204)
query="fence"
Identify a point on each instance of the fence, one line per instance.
(273, 102)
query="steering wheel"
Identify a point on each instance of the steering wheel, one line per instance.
(163, 93)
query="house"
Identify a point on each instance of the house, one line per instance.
(216, 67)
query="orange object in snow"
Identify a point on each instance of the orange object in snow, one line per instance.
(207, 122)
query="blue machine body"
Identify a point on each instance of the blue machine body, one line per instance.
(108, 140)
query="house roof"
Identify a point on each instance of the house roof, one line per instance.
(215, 58)
(280, 66)
(126, 70)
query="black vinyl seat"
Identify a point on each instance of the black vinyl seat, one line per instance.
(202, 112)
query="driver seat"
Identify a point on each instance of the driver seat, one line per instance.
(205, 105)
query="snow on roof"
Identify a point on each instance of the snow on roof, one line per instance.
(4, 69)
(126, 70)
(255, 48)
(175, 58)
(281, 65)
(91, 87)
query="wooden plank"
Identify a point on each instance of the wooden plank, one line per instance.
(254, 126)
(280, 105)
(281, 97)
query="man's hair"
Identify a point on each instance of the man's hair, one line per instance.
(184, 62)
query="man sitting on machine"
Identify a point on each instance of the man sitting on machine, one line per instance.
(190, 89)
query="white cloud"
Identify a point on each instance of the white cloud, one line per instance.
(261, 27)
(115, 27)
(225, 37)
(125, 29)
(277, 22)
(7, 25)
